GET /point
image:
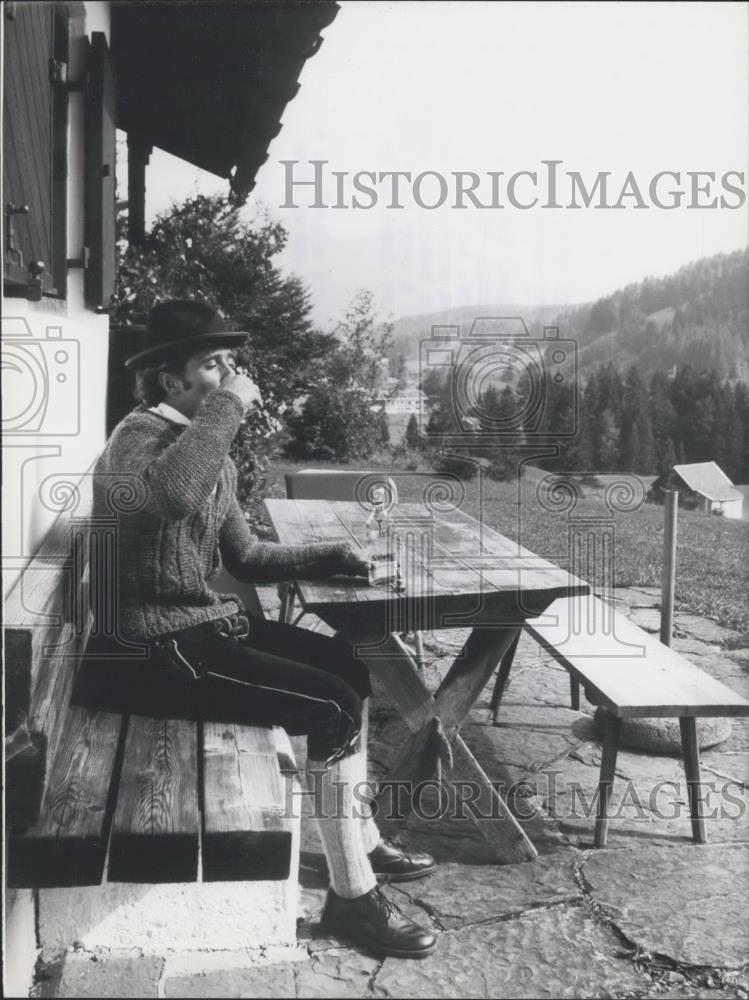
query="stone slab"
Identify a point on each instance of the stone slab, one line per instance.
(457, 895)
(704, 628)
(649, 796)
(731, 765)
(649, 619)
(631, 597)
(530, 748)
(193, 963)
(337, 972)
(92, 975)
(697, 993)
(719, 665)
(540, 718)
(548, 953)
(688, 903)
(544, 684)
(275, 980)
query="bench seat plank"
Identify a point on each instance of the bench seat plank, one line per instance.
(155, 833)
(67, 846)
(245, 834)
(627, 670)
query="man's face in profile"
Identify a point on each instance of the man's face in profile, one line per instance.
(203, 372)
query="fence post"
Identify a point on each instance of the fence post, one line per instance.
(671, 507)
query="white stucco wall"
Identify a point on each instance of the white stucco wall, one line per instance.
(19, 943)
(66, 437)
(41, 341)
(732, 509)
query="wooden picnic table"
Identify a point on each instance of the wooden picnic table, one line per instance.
(458, 573)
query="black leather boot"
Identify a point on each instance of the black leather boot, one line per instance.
(377, 924)
(392, 864)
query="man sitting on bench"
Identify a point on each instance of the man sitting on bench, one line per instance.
(206, 660)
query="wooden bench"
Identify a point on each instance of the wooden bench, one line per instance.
(146, 800)
(632, 675)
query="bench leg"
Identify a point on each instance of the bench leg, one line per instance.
(612, 727)
(503, 675)
(691, 753)
(574, 694)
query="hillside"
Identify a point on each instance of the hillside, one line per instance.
(697, 316)
(410, 331)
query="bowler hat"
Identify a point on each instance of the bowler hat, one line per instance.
(183, 323)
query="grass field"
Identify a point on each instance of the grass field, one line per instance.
(712, 568)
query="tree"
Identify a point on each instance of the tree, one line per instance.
(202, 249)
(413, 439)
(663, 422)
(343, 417)
(608, 445)
(636, 444)
(398, 369)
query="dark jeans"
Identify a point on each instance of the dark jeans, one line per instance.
(281, 675)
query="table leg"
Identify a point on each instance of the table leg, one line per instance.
(484, 649)
(416, 762)
(487, 809)
(394, 666)
(574, 694)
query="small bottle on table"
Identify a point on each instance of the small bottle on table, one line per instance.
(383, 565)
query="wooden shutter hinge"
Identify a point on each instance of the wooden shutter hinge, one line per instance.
(58, 75)
(81, 261)
(34, 284)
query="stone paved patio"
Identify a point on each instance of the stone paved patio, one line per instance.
(653, 915)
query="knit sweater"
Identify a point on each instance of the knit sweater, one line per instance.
(172, 490)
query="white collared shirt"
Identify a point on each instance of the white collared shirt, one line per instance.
(169, 413)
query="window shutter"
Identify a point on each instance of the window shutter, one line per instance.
(99, 174)
(28, 142)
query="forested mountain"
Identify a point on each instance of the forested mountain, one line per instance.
(698, 316)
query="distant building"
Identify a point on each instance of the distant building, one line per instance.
(411, 400)
(711, 488)
(744, 491)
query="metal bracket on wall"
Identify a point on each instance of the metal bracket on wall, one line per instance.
(81, 261)
(58, 75)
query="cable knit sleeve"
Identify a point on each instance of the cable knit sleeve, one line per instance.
(180, 477)
(269, 562)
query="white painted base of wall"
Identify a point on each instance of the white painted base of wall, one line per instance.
(155, 919)
(19, 944)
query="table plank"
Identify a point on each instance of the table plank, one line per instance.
(443, 572)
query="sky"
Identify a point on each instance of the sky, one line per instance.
(489, 87)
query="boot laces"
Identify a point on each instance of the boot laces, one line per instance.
(386, 907)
